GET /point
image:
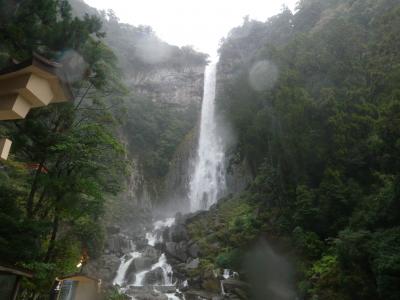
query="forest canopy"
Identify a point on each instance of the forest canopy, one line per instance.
(321, 136)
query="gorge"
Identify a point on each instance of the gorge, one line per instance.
(155, 279)
(270, 174)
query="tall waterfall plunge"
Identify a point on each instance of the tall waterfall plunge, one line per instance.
(207, 184)
(208, 180)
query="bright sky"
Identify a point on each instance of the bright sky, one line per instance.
(200, 23)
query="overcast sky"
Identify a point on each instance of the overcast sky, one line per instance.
(200, 23)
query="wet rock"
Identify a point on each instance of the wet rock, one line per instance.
(117, 244)
(179, 218)
(236, 287)
(104, 267)
(113, 229)
(140, 264)
(151, 253)
(177, 250)
(190, 218)
(198, 294)
(194, 250)
(230, 284)
(154, 277)
(178, 233)
(165, 235)
(166, 289)
(231, 297)
(130, 277)
(141, 242)
(146, 293)
(193, 264)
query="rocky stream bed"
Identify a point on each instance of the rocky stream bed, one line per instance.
(163, 264)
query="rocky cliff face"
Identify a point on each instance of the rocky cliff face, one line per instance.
(177, 181)
(183, 89)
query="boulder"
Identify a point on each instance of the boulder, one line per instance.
(179, 218)
(198, 294)
(145, 293)
(154, 277)
(178, 233)
(141, 242)
(151, 252)
(113, 229)
(236, 288)
(165, 235)
(140, 264)
(231, 284)
(170, 289)
(177, 250)
(194, 250)
(104, 267)
(117, 244)
(130, 277)
(193, 264)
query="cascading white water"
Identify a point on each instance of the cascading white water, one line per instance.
(208, 181)
(123, 267)
(153, 237)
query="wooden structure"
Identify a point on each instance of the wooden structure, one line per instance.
(76, 287)
(10, 279)
(5, 146)
(36, 82)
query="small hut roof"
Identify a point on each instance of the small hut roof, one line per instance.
(45, 68)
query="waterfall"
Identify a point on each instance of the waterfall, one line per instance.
(207, 184)
(153, 237)
(208, 180)
(126, 260)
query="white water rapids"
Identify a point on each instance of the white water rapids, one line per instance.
(152, 237)
(208, 181)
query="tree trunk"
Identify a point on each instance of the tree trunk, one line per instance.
(31, 198)
(39, 205)
(53, 238)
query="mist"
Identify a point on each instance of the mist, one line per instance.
(271, 274)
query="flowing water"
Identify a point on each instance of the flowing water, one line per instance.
(153, 237)
(208, 180)
(206, 186)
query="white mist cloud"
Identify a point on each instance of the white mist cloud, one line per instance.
(201, 23)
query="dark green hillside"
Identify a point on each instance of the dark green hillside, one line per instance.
(66, 158)
(314, 98)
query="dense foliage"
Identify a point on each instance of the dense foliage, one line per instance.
(155, 130)
(66, 159)
(314, 98)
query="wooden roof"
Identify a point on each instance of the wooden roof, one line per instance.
(45, 68)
